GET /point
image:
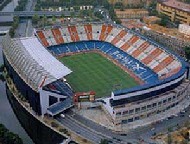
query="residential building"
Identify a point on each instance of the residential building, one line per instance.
(175, 10)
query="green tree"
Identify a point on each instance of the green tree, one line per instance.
(15, 22)
(2, 67)
(35, 19)
(53, 18)
(169, 139)
(187, 52)
(62, 15)
(3, 130)
(11, 32)
(104, 141)
(164, 20)
(184, 141)
(72, 14)
(119, 5)
(7, 137)
(44, 20)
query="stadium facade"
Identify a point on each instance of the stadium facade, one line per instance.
(38, 75)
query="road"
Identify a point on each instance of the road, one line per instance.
(92, 129)
(95, 132)
(31, 13)
(84, 131)
(25, 28)
(105, 14)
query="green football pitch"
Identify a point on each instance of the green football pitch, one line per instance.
(92, 71)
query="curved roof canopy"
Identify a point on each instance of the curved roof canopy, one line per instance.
(33, 62)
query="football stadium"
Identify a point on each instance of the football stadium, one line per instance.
(133, 76)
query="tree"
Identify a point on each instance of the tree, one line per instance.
(98, 15)
(119, 5)
(15, 22)
(44, 20)
(1, 68)
(187, 52)
(35, 19)
(164, 20)
(53, 18)
(104, 141)
(72, 14)
(169, 139)
(11, 32)
(3, 130)
(184, 141)
(62, 15)
(8, 137)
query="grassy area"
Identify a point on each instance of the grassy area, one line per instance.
(91, 71)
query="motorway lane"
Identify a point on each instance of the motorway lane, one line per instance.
(31, 13)
(134, 135)
(80, 130)
(21, 30)
(85, 131)
(100, 129)
(29, 29)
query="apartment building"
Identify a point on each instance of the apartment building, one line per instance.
(175, 10)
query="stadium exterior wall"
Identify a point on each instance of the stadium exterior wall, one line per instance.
(149, 92)
(31, 95)
(145, 108)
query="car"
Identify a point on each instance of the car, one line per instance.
(62, 115)
(152, 129)
(170, 117)
(183, 111)
(123, 134)
(118, 139)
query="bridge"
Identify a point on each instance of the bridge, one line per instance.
(31, 13)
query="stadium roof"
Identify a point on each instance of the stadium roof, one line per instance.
(33, 62)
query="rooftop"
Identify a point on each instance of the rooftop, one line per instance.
(33, 62)
(176, 4)
(129, 11)
(173, 32)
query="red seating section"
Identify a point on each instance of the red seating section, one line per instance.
(152, 56)
(106, 29)
(88, 30)
(118, 37)
(42, 38)
(130, 42)
(163, 64)
(141, 48)
(73, 33)
(57, 36)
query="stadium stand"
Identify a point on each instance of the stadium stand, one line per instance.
(164, 73)
(160, 69)
(42, 38)
(153, 57)
(57, 36)
(88, 30)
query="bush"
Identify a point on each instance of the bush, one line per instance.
(53, 124)
(187, 52)
(104, 141)
(8, 137)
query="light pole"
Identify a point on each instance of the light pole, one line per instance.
(13, 6)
